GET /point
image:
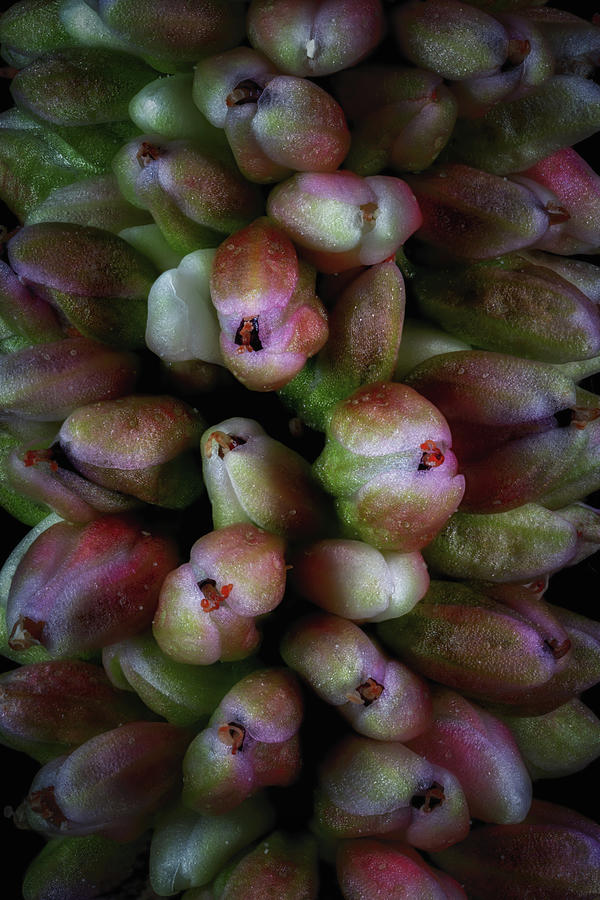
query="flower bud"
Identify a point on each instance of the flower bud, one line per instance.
(554, 854)
(92, 789)
(573, 41)
(207, 607)
(366, 868)
(250, 477)
(437, 638)
(512, 136)
(165, 106)
(382, 788)
(81, 587)
(388, 463)
(97, 280)
(80, 85)
(24, 315)
(557, 743)
(175, 37)
(250, 742)
(48, 709)
(371, 306)
(482, 753)
(182, 694)
(138, 445)
(340, 220)
(283, 865)
(189, 850)
(82, 868)
(271, 319)
(356, 581)
(381, 698)
(313, 40)
(472, 214)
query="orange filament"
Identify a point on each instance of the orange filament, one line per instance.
(212, 598)
(33, 457)
(367, 692)
(429, 799)
(43, 802)
(224, 442)
(26, 633)
(559, 650)
(247, 91)
(247, 335)
(582, 415)
(233, 735)
(147, 153)
(432, 455)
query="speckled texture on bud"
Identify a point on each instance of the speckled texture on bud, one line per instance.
(207, 607)
(388, 463)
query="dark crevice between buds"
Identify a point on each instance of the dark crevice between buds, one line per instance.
(557, 213)
(557, 649)
(44, 803)
(26, 633)
(578, 416)
(247, 91)
(232, 734)
(225, 443)
(247, 335)
(518, 50)
(428, 800)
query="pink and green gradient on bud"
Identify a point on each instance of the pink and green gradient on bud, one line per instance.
(48, 709)
(207, 607)
(308, 39)
(188, 849)
(91, 790)
(282, 865)
(380, 697)
(382, 788)
(29, 318)
(181, 693)
(340, 220)
(98, 281)
(251, 477)
(141, 445)
(552, 855)
(438, 636)
(365, 327)
(367, 868)
(481, 751)
(251, 742)
(275, 123)
(354, 580)
(389, 466)
(81, 587)
(271, 319)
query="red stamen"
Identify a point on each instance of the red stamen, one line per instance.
(432, 455)
(233, 735)
(43, 802)
(33, 457)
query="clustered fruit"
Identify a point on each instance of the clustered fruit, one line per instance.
(297, 332)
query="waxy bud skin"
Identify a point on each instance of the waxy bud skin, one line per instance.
(381, 698)
(271, 319)
(453, 39)
(382, 788)
(188, 850)
(250, 742)
(47, 382)
(251, 477)
(91, 790)
(97, 280)
(437, 639)
(82, 868)
(388, 463)
(314, 39)
(365, 327)
(81, 587)
(558, 743)
(138, 445)
(482, 753)
(340, 220)
(469, 213)
(553, 855)
(183, 694)
(48, 709)
(283, 866)
(207, 607)
(23, 314)
(368, 868)
(356, 581)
